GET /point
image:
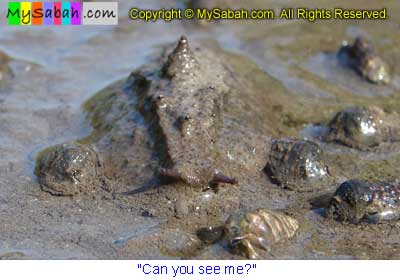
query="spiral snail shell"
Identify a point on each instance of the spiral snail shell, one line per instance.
(258, 230)
(357, 200)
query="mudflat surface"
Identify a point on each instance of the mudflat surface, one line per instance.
(293, 82)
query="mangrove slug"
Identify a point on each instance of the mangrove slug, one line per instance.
(184, 109)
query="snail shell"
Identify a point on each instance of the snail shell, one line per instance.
(357, 200)
(68, 169)
(363, 58)
(294, 163)
(362, 128)
(259, 229)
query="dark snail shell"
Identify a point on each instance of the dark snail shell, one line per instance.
(362, 57)
(357, 200)
(258, 230)
(210, 235)
(296, 164)
(362, 128)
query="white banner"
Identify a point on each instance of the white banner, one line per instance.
(187, 270)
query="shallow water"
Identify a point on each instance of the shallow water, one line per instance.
(58, 68)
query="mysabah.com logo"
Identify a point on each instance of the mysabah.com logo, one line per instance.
(62, 13)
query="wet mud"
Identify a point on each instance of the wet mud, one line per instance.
(146, 152)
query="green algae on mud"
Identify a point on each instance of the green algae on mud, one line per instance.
(99, 106)
(40, 156)
(351, 165)
(6, 73)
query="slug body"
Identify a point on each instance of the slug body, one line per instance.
(184, 108)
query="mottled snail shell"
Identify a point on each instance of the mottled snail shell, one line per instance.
(363, 58)
(259, 229)
(374, 69)
(295, 163)
(68, 169)
(356, 201)
(361, 128)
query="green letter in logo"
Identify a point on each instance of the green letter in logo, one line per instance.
(13, 13)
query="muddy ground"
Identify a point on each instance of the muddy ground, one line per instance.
(289, 70)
